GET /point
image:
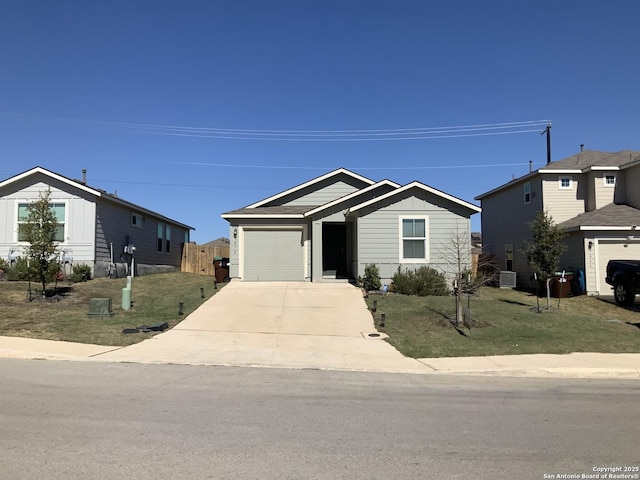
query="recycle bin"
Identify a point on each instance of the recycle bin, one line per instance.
(221, 269)
(561, 287)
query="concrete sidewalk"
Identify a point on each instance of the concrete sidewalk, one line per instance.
(304, 325)
(306, 355)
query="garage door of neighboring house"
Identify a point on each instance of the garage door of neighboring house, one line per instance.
(614, 250)
(273, 255)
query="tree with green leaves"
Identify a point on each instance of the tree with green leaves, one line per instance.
(39, 230)
(546, 248)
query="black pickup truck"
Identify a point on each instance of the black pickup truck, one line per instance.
(624, 276)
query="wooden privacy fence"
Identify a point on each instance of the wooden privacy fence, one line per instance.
(199, 259)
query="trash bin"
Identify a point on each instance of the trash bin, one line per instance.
(561, 286)
(221, 269)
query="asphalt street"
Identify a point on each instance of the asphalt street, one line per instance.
(78, 420)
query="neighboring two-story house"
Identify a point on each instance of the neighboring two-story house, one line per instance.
(94, 227)
(593, 196)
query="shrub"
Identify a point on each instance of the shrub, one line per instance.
(81, 273)
(77, 278)
(20, 271)
(371, 279)
(4, 266)
(425, 281)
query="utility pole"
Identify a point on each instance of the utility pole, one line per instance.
(548, 132)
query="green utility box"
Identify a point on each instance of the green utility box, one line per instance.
(100, 307)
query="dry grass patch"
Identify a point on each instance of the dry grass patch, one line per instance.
(155, 299)
(505, 323)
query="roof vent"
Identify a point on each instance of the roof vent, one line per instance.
(84, 176)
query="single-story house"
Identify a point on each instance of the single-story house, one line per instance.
(95, 228)
(332, 226)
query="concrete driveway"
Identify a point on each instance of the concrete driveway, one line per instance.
(276, 324)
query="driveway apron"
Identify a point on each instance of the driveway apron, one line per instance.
(275, 324)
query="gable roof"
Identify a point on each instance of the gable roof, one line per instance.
(610, 217)
(50, 174)
(311, 182)
(93, 191)
(421, 186)
(582, 162)
(353, 195)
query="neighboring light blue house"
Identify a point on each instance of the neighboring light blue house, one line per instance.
(94, 227)
(332, 226)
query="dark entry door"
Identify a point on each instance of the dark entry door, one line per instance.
(334, 250)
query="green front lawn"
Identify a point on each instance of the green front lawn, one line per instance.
(507, 324)
(155, 298)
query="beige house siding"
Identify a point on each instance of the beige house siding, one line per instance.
(631, 184)
(564, 203)
(603, 195)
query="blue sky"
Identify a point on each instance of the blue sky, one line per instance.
(81, 83)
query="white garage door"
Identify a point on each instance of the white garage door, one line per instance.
(614, 250)
(273, 255)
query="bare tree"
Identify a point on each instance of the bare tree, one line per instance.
(467, 276)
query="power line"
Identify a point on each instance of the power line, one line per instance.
(342, 138)
(420, 133)
(295, 167)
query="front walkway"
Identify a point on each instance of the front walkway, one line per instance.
(276, 324)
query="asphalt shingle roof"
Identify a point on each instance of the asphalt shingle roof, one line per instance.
(277, 210)
(591, 158)
(612, 215)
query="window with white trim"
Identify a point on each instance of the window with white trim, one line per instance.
(609, 180)
(59, 212)
(413, 239)
(565, 183)
(527, 193)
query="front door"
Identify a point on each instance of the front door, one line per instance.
(334, 250)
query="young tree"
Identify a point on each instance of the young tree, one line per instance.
(457, 253)
(39, 230)
(546, 248)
